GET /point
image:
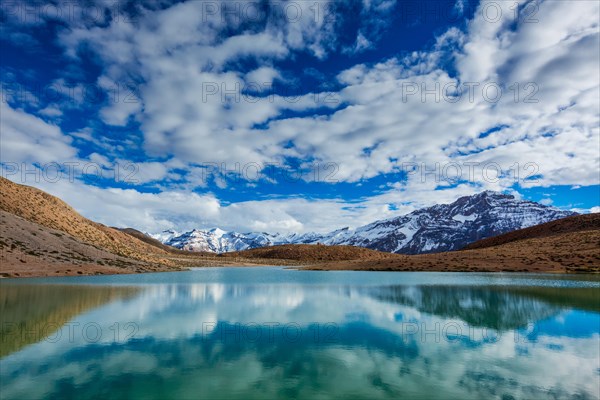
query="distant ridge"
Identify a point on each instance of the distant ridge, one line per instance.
(312, 253)
(151, 241)
(442, 227)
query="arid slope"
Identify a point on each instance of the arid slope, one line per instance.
(568, 245)
(30, 249)
(39, 229)
(44, 209)
(578, 223)
(311, 253)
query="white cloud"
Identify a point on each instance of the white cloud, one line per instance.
(262, 77)
(26, 138)
(361, 44)
(51, 111)
(188, 113)
(393, 111)
(459, 6)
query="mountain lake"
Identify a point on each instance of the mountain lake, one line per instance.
(272, 332)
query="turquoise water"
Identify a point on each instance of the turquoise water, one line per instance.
(268, 332)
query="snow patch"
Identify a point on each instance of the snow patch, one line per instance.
(463, 218)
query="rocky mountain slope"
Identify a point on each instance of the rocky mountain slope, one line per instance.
(442, 227)
(217, 241)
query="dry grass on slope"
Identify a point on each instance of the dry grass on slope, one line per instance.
(562, 252)
(44, 209)
(30, 249)
(312, 253)
(577, 223)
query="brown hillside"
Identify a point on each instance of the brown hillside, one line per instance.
(562, 252)
(44, 209)
(312, 253)
(30, 249)
(577, 223)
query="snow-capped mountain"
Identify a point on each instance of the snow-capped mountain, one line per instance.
(445, 227)
(219, 241)
(442, 227)
(164, 236)
(216, 240)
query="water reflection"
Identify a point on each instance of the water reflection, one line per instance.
(496, 307)
(222, 340)
(29, 314)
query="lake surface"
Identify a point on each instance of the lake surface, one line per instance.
(261, 333)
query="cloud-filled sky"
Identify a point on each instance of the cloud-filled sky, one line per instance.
(298, 115)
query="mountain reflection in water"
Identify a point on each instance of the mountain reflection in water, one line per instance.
(290, 339)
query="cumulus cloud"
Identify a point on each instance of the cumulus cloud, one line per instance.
(26, 138)
(262, 77)
(528, 79)
(510, 89)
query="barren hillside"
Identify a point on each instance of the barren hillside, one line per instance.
(46, 210)
(312, 253)
(579, 223)
(572, 245)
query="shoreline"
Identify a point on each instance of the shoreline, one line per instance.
(308, 267)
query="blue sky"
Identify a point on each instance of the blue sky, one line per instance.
(298, 115)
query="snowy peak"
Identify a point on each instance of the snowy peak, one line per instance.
(218, 232)
(442, 227)
(163, 236)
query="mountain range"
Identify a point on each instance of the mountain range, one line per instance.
(442, 227)
(40, 235)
